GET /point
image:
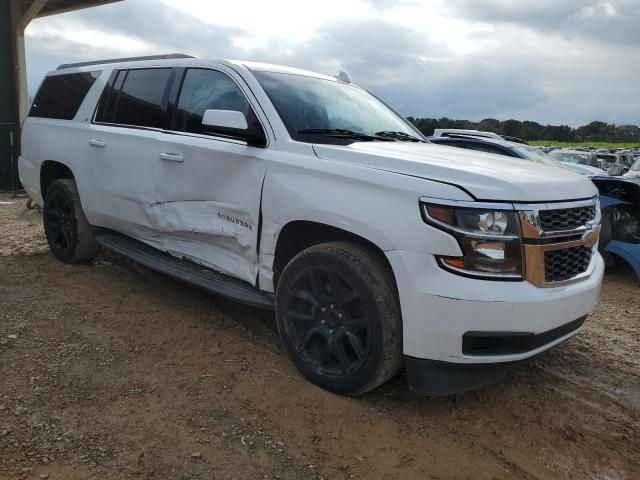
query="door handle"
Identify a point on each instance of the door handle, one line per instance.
(97, 143)
(172, 157)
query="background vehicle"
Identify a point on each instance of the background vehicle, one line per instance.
(285, 188)
(469, 140)
(577, 157)
(620, 239)
(634, 171)
(613, 163)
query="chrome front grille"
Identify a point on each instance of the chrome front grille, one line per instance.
(567, 263)
(566, 218)
(559, 240)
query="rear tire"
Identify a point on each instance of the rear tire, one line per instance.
(68, 233)
(339, 318)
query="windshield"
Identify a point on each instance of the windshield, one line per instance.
(607, 158)
(569, 158)
(308, 103)
(535, 154)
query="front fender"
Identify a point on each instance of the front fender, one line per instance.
(381, 207)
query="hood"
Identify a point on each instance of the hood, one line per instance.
(485, 176)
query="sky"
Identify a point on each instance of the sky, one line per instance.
(551, 61)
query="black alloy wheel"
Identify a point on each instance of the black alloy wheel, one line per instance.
(329, 323)
(59, 223)
(70, 237)
(338, 316)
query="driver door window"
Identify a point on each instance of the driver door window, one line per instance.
(206, 90)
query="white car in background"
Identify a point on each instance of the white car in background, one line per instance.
(634, 171)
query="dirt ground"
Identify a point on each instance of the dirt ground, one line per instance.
(110, 371)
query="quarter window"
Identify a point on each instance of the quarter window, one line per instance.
(60, 96)
(207, 90)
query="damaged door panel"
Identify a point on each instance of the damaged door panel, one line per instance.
(207, 209)
(207, 206)
(620, 203)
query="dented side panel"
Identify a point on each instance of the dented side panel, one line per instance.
(207, 207)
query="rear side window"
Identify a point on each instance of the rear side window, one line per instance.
(60, 96)
(137, 98)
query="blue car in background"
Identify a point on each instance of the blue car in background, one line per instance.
(620, 204)
(619, 196)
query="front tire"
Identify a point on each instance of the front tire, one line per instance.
(68, 233)
(339, 318)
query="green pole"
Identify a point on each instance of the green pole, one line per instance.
(12, 161)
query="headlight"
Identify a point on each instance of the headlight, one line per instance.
(488, 235)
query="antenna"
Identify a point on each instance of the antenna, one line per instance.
(342, 76)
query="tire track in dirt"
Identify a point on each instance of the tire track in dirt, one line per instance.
(140, 376)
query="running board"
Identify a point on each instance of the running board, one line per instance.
(189, 272)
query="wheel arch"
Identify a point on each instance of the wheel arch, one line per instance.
(298, 235)
(52, 170)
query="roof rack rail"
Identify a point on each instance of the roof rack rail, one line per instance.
(169, 56)
(447, 132)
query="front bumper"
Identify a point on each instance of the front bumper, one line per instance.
(432, 378)
(439, 308)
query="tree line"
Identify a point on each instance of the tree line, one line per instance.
(593, 132)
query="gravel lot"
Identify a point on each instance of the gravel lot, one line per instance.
(110, 371)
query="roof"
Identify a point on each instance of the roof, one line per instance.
(183, 60)
(169, 56)
(464, 133)
(573, 151)
(268, 67)
(498, 140)
(449, 132)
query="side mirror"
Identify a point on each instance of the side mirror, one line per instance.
(233, 124)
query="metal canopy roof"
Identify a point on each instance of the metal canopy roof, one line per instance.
(51, 7)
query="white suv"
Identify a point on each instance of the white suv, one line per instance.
(281, 187)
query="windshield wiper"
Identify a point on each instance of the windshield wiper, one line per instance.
(400, 136)
(343, 133)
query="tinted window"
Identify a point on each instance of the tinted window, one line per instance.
(141, 101)
(207, 90)
(108, 100)
(60, 96)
